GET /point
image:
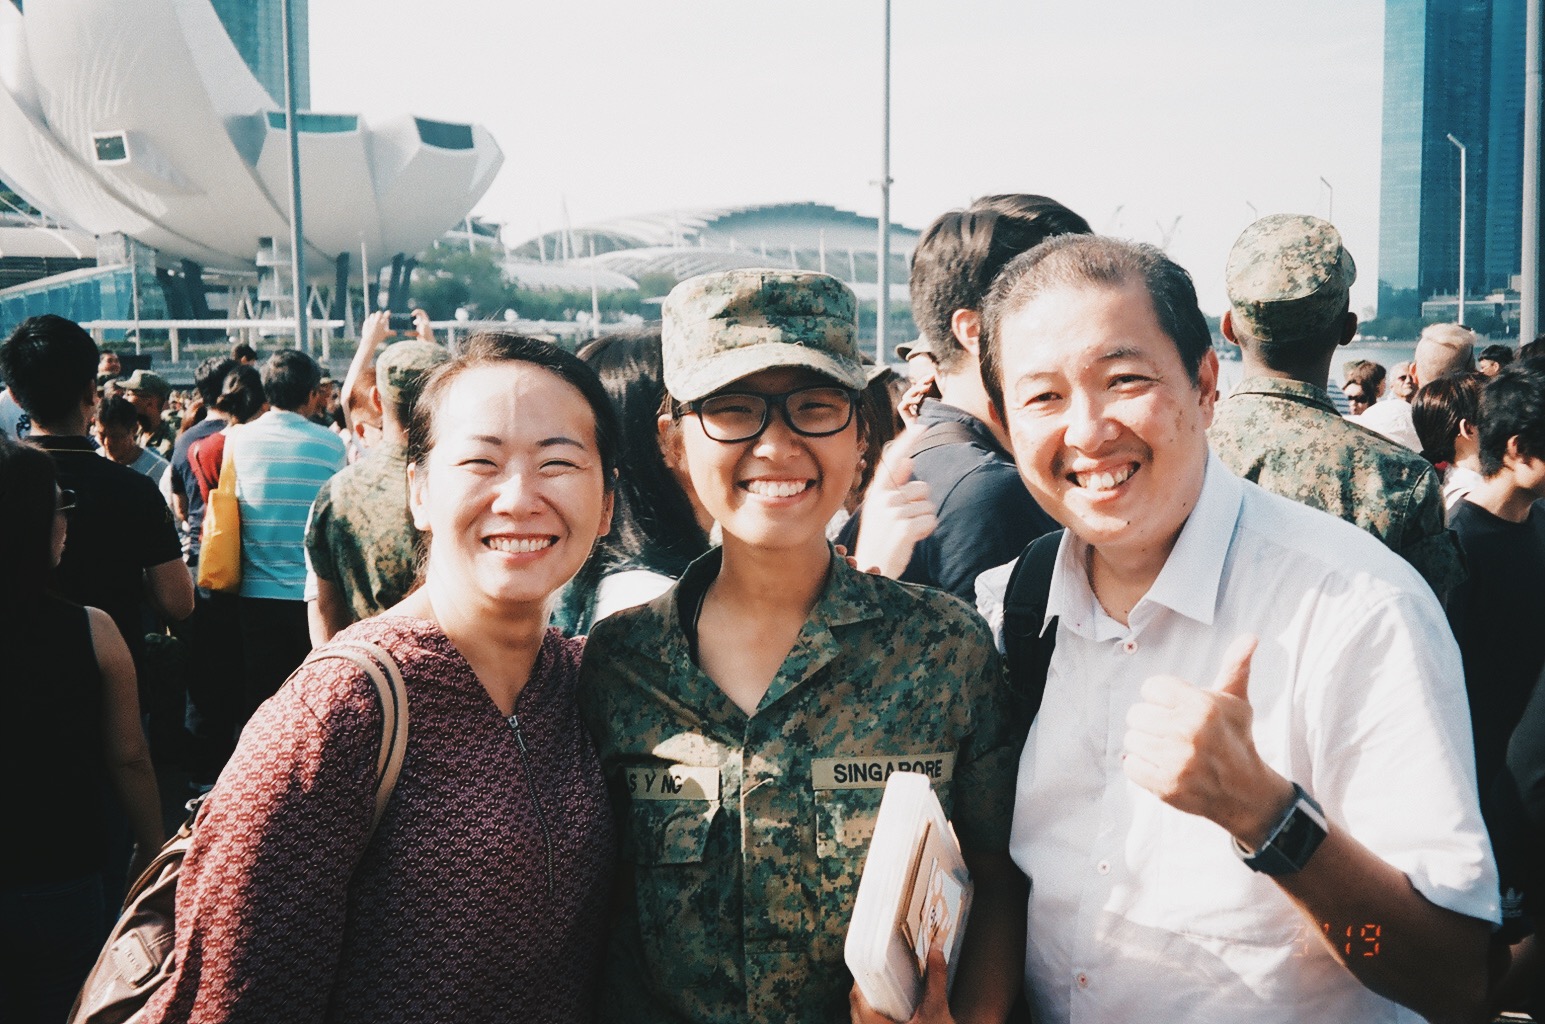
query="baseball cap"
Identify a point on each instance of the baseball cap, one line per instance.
(919, 346)
(403, 367)
(718, 328)
(144, 380)
(1288, 277)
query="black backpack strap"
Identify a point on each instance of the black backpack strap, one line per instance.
(937, 435)
(1024, 611)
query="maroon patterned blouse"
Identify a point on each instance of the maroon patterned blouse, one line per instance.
(482, 896)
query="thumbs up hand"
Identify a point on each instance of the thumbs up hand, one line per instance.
(1192, 749)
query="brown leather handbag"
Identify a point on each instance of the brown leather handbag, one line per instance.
(138, 958)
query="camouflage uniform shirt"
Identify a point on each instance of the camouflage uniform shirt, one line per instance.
(1286, 436)
(163, 439)
(745, 836)
(361, 535)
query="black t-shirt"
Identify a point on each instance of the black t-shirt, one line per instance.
(986, 516)
(120, 527)
(1498, 617)
(51, 742)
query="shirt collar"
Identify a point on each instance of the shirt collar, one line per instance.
(1294, 389)
(1189, 582)
(934, 411)
(62, 442)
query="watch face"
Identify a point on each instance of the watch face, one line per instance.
(1293, 842)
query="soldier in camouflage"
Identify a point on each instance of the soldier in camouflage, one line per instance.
(148, 392)
(748, 718)
(1288, 283)
(361, 545)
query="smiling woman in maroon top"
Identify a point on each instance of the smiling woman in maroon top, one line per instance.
(481, 896)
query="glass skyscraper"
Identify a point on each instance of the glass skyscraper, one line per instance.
(1437, 82)
(257, 29)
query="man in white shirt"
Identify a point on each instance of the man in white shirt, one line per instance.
(1249, 793)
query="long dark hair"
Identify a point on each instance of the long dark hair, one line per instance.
(27, 504)
(654, 525)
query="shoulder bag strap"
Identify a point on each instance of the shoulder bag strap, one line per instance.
(1027, 647)
(393, 694)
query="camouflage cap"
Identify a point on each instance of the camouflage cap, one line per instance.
(721, 327)
(402, 369)
(919, 346)
(1288, 277)
(144, 380)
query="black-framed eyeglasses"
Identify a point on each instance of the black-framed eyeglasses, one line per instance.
(66, 500)
(741, 416)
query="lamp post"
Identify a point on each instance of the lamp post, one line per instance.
(297, 238)
(1463, 161)
(1529, 320)
(882, 278)
(1330, 202)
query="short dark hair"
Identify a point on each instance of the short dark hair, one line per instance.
(1437, 409)
(27, 504)
(210, 376)
(241, 393)
(492, 348)
(49, 363)
(1365, 372)
(1512, 405)
(118, 412)
(962, 251)
(290, 378)
(1502, 355)
(241, 350)
(1094, 260)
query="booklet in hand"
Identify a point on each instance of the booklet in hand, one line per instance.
(915, 894)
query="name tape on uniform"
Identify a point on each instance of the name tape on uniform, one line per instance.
(672, 782)
(871, 772)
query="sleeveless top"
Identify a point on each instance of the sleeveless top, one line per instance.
(53, 771)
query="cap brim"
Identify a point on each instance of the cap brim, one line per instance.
(706, 376)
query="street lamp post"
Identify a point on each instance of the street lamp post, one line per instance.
(297, 235)
(882, 278)
(1330, 202)
(1463, 161)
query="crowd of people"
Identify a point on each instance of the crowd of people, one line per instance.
(1267, 743)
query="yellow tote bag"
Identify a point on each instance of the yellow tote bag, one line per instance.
(219, 560)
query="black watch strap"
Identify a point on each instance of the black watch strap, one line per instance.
(1290, 845)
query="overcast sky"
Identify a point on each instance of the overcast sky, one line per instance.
(1131, 112)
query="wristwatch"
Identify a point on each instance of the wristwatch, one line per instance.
(1290, 845)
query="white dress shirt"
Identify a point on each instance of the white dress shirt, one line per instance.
(1140, 912)
(1391, 418)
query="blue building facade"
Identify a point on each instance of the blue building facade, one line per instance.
(257, 29)
(1437, 82)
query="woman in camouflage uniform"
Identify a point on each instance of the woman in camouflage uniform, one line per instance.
(747, 719)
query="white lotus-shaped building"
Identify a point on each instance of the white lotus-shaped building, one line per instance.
(140, 118)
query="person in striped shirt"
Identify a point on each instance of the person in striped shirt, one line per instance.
(281, 461)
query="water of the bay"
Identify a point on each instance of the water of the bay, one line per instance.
(1385, 353)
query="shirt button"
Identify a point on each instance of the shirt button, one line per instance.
(1130, 647)
(1083, 980)
(1103, 867)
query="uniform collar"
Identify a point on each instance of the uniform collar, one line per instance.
(849, 597)
(1296, 390)
(1189, 582)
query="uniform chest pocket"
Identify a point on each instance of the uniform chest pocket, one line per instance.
(844, 821)
(671, 832)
